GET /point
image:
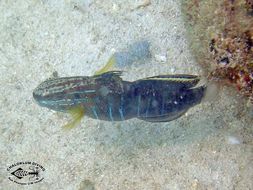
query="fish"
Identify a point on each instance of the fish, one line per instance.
(106, 96)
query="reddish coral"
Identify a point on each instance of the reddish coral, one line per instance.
(232, 49)
(234, 61)
(222, 40)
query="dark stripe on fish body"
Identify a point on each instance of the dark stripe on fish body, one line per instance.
(80, 87)
(61, 84)
(68, 80)
(65, 84)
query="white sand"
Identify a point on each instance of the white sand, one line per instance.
(75, 37)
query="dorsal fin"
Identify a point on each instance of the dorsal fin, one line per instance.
(179, 79)
(110, 75)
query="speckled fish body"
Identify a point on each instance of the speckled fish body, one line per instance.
(108, 97)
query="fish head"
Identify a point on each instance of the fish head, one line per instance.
(62, 94)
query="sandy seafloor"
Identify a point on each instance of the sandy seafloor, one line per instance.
(210, 147)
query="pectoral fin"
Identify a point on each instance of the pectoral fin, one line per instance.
(77, 114)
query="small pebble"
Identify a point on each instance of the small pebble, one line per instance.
(86, 185)
(172, 70)
(233, 140)
(115, 7)
(143, 4)
(161, 58)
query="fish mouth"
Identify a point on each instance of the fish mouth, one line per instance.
(41, 97)
(46, 101)
(36, 95)
(43, 94)
(40, 100)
